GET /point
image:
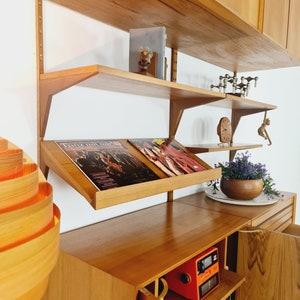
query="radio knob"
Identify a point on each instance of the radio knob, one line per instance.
(185, 278)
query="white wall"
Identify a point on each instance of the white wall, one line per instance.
(73, 40)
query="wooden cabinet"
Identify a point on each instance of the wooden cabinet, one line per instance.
(248, 10)
(276, 217)
(275, 20)
(280, 23)
(117, 258)
(270, 262)
(293, 39)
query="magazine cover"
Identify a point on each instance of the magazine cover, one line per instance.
(169, 156)
(107, 163)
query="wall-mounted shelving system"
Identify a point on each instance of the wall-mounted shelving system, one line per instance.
(117, 258)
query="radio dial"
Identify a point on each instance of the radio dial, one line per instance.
(185, 278)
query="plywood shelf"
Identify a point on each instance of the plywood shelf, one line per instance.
(105, 78)
(203, 148)
(63, 166)
(111, 79)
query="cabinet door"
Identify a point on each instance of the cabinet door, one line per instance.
(248, 10)
(275, 21)
(270, 262)
(293, 39)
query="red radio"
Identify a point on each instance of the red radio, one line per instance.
(197, 277)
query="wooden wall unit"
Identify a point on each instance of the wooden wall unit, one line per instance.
(116, 258)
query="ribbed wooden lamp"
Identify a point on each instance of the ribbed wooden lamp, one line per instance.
(29, 226)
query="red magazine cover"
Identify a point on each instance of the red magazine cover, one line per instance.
(168, 155)
(107, 163)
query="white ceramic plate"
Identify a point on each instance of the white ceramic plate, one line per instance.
(262, 199)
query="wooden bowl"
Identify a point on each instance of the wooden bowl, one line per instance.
(19, 189)
(24, 269)
(11, 163)
(26, 221)
(240, 189)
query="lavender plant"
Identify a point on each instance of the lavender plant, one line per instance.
(242, 168)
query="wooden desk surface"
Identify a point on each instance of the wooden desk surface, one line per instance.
(144, 245)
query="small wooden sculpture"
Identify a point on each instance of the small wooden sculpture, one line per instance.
(224, 130)
(262, 129)
(145, 56)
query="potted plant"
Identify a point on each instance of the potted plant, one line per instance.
(244, 180)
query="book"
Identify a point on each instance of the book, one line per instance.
(155, 39)
(171, 157)
(107, 163)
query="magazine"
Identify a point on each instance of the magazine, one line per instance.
(107, 163)
(169, 156)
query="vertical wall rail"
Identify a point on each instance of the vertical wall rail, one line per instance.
(39, 68)
(174, 65)
(171, 125)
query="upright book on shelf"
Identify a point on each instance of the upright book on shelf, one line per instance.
(170, 156)
(107, 163)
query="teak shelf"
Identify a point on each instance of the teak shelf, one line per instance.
(61, 164)
(203, 148)
(204, 29)
(181, 96)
